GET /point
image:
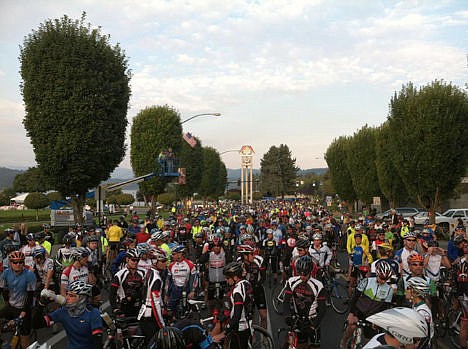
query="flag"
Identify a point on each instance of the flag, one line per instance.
(190, 139)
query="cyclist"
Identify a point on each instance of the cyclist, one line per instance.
(305, 297)
(77, 271)
(43, 268)
(125, 291)
(359, 262)
(301, 249)
(114, 234)
(82, 323)
(17, 285)
(462, 293)
(372, 294)
(120, 260)
(403, 327)
(180, 279)
(321, 255)
(42, 241)
(168, 338)
(270, 254)
(151, 312)
(417, 292)
(409, 248)
(159, 238)
(240, 306)
(254, 267)
(26, 249)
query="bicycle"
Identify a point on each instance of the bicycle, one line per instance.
(336, 293)
(454, 323)
(13, 327)
(291, 340)
(278, 297)
(358, 338)
(122, 333)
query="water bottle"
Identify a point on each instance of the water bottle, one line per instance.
(55, 297)
(108, 320)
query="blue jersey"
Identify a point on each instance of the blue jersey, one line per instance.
(358, 255)
(18, 286)
(80, 330)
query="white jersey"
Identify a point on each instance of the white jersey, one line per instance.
(322, 256)
(28, 260)
(425, 311)
(432, 267)
(145, 264)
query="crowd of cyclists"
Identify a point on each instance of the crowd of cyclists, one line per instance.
(151, 267)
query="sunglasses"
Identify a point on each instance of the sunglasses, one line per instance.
(17, 262)
(71, 295)
(411, 240)
(135, 259)
(417, 264)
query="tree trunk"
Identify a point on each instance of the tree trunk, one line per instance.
(37, 214)
(77, 205)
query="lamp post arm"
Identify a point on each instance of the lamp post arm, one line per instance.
(196, 116)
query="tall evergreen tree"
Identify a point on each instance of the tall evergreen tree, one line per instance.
(75, 87)
(192, 160)
(278, 171)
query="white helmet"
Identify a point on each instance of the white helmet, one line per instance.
(418, 285)
(404, 324)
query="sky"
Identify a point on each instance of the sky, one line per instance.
(295, 72)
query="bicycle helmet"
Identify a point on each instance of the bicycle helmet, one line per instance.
(157, 254)
(415, 258)
(404, 324)
(245, 249)
(383, 270)
(199, 236)
(80, 252)
(220, 231)
(9, 231)
(308, 228)
(166, 234)
(80, 287)
(68, 238)
(409, 235)
(170, 338)
(250, 229)
(178, 248)
(40, 235)
(30, 237)
(305, 265)
(358, 227)
(92, 238)
(38, 251)
(143, 247)
(46, 226)
(156, 235)
(302, 243)
(385, 246)
(418, 285)
(16, 256)
(457, 239)
(233, 269)
(98, 231)
(317, 236)
(132, 253)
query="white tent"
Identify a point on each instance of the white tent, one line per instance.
(19, 199)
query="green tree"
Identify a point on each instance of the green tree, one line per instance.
(154, 129)
(36, 201)
(54, 196)
(32, 180)
(278, 171)
(214, 174)
(125, 199)
(390, 181)
(192, 160)
(429, 143)
(166, 198)
(75, 87)
(6, 195)
(360, 160)
(339, 173)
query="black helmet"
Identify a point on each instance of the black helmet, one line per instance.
(305, 265)
(233, 269)
(92, 238)
(302, 243)
(68, 238)
(170, 338)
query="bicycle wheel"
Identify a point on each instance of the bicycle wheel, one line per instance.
(276, 299)
(339, 297)
(454, 327)
(261, 339)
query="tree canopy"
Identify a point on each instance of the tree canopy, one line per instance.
(214, 175)
(278, 171)
(339, 173)
(429, 143)
(32, 180)
(154, 129)
(192, 160)
(36, 201)
(75, 87)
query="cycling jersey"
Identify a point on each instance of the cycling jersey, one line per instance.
(72, 273)
(64, 257)
(125, 289)
(181, 274)
(322, 256)
(43, 269)
(241, 304)
(18, 286)
(401, 256)
(255, 271)
(114, 233)
(28, 260)
(153, 290)
(80, 330)
(370, 297)
(307, 298)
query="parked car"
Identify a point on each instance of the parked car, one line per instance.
(456, 213)
(441, 220)
(405, 212)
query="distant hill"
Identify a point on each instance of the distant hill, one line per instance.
(7, 175)
(234, 174)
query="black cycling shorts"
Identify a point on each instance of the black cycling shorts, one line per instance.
(259, 297)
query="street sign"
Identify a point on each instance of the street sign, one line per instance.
(376, 200)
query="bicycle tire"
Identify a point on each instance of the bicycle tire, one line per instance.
(261, 339)
(277, 304)
(339, 298)
(453, 319)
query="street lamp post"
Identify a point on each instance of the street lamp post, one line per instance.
(229, 151)
(196, 116)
